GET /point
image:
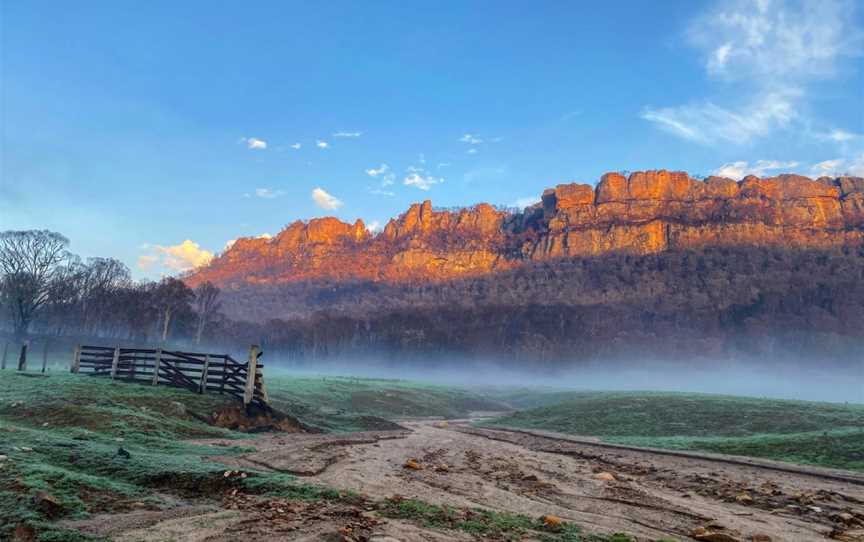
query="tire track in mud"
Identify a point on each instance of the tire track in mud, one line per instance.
(833, 475)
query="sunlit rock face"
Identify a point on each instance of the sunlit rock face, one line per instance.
(646, 212)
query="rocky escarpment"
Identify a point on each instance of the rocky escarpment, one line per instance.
(644, 213)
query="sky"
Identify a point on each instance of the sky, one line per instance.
(158, 132)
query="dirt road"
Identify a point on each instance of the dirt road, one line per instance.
(642, 493)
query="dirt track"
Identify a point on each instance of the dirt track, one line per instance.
(653, 495)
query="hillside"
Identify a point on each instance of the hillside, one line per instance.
(657, 264)
(645, 213)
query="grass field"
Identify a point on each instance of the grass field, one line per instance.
(95, 446)
(825, 434)
(347, 404)
(62, 435)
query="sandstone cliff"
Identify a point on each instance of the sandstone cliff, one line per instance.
(644, 213)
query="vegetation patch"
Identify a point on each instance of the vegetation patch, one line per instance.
(357, 404)
(488, 524)
(824, 434)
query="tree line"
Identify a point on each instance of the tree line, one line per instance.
(715, 302)
(44, 288)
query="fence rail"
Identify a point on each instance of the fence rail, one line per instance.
(195, 371)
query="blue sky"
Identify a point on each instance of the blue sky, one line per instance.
(156, 132)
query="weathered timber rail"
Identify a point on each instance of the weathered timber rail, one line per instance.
(197, 372)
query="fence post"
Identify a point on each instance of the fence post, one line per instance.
(76, 359)
(45, 356)
(203, 386)
(115, 362)
(22, 358)
(5, 351)
(251, 370)
(156, 362)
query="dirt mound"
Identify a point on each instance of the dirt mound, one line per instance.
(255, 420)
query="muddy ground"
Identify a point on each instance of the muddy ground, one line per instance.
(646, 494)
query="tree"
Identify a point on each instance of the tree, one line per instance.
(98, 280)
(207, 304)
(30, 262)
(170, 297)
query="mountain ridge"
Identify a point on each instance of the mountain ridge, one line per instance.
(644, 213)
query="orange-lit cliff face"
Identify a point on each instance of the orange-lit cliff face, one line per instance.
(648, 212)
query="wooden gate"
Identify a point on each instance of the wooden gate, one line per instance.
(191, 370)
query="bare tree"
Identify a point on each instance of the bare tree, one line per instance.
(30, 262)
(171, 296)
(99, 279)
(207, 304)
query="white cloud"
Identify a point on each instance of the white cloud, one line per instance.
(254, 143)
(840, 136)
(268, 193)
(374, 226)
(709, 123)
(777, 40)
(443, 165)
(470, 139)
(388, 179)
(325, 200)
(527, 201)
(178, 258)
(321, 144)
(347, 134)
(296, 146)
(230, 243)
(773, 50)
(373, 172)
(741, 169)
(421, 181)
(472, 151)
(839, 166)
(381, 192)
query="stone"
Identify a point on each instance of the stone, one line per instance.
(604, 477)
(48, 504)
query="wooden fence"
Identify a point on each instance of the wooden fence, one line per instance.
(197, 372)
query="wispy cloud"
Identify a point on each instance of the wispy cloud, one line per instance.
(347, 134)
(178, 258)
(773, 50)
(708, 123)
(472, 151)
(741, 169)
(421, 181)
(527, 201)
(374, 226)
(374, 172)
(254, 143)
(296, 146)
(268, 193)
(470, 139)
(325, 200)
(838, 136)
(321, 144)
(840, 166)
(777, 40)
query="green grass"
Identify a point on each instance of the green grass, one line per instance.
(825, 434)
(61, 435)
(352, 404)
(489, 524)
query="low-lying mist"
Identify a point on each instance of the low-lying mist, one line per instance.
(791, 380)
